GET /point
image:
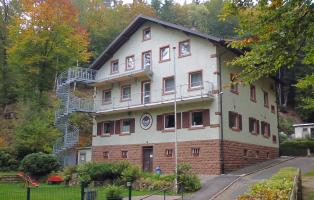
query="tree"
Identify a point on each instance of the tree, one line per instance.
(279, 34)
(46, 38)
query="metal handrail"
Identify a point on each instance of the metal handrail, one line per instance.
(164, 192)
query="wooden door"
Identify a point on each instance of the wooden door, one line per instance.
(148, 159)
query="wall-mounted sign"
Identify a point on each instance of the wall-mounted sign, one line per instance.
(146, 121)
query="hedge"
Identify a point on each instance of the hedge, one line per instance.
(278, 187)
(296, 147)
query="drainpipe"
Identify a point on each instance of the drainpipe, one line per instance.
(221, 138)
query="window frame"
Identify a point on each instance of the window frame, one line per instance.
(103, 97)
(253, 94)
(237, 122)
(195, 151)
(121, 126)
(255, 126)
(169, 152)
(124, 154)
(164, 85)
(126, 62)
(150, 34)
(121, 95)
(103, 127)
(266, 99)
(273, 109)
(190, 79)
(191, 119)
(106, 154)
(111, 66)
(160, 54)
(179, 49)
(169, 114)
(234, 87)
(274, 139)
(265, 126)
(143, 57)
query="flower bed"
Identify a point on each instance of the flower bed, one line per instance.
(278, 187)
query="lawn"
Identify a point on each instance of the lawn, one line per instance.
(309, 173)
(53, 192)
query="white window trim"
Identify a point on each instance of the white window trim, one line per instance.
(122, 96)
(122, 132)
(190, 80)
(172, 128)
(191, 116)
(104, 97)
(112, 64)
(164, 85)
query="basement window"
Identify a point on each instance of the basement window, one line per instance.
(106, 154)
(169, 152)
(195, 152)
(124, 154)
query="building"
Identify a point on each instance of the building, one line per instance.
(84, 155)
(302, 131)
(219, 128)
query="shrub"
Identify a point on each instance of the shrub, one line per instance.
(39, 164)
(278, 186)
(188, 180)
(113, 191)
(68, 173)
(131, 173)
(153, 182)
(8, 161)
(296, 147)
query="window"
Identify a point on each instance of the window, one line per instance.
(82, 157)
(126, 92)
(253, 126)
(196, 152)
(169, 152)
(253, 93)
(124, 154)
(304, 130)
(106, 154)
(126, 126)
(184, 48)
(168, 85)
(164, 54)
(146, 34)
(267, 155)
(197, 119)
(256, 154)
(274, 139)
(195, 79)
(312, 132)
(114, 66)
(169, 121)
(146, 59)
(266, 103)
(245, 152)
(129, 63)
(265, 129)
(234, 86)
(106, 97)
(235, 121)
(273, 109)
(99, 128)
(107, 127)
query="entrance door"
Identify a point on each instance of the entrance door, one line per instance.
(148, 159)
(146, 92)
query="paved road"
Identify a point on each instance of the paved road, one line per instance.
(242, 185)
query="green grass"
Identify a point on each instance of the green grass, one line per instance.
(309, 173)
(53, 192)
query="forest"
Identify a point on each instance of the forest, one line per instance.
(39, 39)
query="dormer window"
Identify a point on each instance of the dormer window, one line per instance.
(146, 34)
(129, 62)
(164, 54)
(184, 48)
(114, 66)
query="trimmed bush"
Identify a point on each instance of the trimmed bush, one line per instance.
(39, 164)
(277, 187)
(8, 161)
(149, 181)
(296, 147)
(189, 181)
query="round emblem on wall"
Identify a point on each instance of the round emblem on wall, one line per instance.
(146, 121)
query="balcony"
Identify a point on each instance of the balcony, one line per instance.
(124, 74)
(156, 98)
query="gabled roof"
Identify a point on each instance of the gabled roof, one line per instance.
(136, 24)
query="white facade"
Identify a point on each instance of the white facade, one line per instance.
(302, 131)
(84, 155)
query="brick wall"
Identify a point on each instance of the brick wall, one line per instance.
(206, 163)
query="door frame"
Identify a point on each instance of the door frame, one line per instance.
(143, 156)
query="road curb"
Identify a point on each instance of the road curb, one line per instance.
(244, 175)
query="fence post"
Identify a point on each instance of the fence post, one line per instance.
(28, 193)
(82, 190)
(129, 184)
(164, 194)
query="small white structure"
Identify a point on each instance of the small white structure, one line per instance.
(304, 130)
(84, 155)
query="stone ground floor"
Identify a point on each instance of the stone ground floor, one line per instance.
(203, 155)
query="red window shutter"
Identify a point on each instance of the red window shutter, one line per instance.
(257, 122)
(178, 120)
(251, 124)
(160, 122)
(117, 124)
(99, 128)
(111, 127)
(240, 122)
(230, 119)
(206, 117)
(186, 120)
(132, 125)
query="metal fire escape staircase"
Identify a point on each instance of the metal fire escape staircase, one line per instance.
(69, 104)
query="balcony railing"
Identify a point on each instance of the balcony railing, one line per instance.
(156, 98)
(137, 69)
(77, 74)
